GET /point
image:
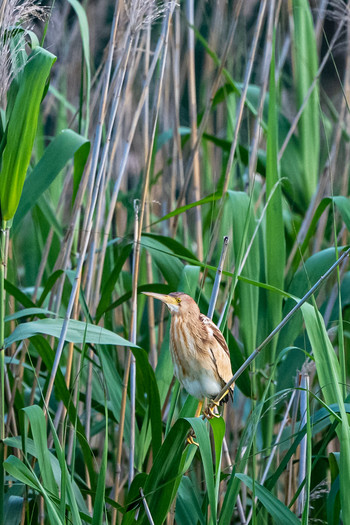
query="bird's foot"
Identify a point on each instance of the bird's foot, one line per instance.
(191, 438)
(209, 412)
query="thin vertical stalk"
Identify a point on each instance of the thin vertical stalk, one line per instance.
(239, 118)
(265, 80)
(218, 276)
(177, 165)
(207, 110)
(96, 184)
(274, 448)
(147, 511)
(125, 156)
(310, 90)
(165, 34)
(213, 299)
(3, 262)
(133, 340)
(304, 389)
(193, 117)
(151, 321)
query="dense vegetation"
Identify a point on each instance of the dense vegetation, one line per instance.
(134, 138)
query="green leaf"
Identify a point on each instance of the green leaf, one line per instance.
(169, 266)
(18, 470)
(84, 31)
(28, 312)
(21, 130)
(188, 508)
(305, 68)
(328, 371)
(239, 218)
(279, 512)
(99, 505)
(202, 437)
(108, 288)
(61, 149)
(166, 473)
(275, 241)
(78, 332)
(38, 428)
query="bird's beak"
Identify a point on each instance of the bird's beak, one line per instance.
(167, 299)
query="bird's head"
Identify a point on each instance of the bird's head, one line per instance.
(177, 302)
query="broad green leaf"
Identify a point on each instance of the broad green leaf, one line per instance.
(28, 312)
(342, 204)
(328, 371)
(84, 31)
(99, 505)
(169, 266)
(78, 332)
(279, 511)
(114, 385)
(218, 426)
(166, 473)
(61, 149)
(238, 217)
(17, 469)
(305, 70)
(13, 506)
(210, 198)
(202, 437)
(62, 393)
(108, 288)
(21, 130)
(188, 508)
(38, 427)
(274, 234)
(74, 495)
(307, 276)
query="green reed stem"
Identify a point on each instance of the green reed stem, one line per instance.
(3, 262)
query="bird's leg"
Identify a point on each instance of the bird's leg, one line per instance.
(199, 408)
(190, 438)
(232, 387)
(191, 435)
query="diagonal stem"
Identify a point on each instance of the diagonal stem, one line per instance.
(278, 327)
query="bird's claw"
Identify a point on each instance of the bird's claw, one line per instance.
(209, 412)
(190, 438)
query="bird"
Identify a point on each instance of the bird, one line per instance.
(198, 349)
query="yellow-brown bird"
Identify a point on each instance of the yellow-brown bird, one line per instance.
(198, 349)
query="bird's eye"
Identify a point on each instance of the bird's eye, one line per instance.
(178, 300)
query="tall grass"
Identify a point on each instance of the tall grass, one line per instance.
(133, 139)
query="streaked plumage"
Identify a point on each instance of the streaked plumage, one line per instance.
(199, 351)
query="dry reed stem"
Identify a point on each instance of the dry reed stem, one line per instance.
(310, 90)
(206, 113)
(265, 80)
(193, 120)
(96, 184)
(151, 317)
(239, 118)
(304, 392)
(177, 164)
(165, 32)
(133, 336)
(123, 163)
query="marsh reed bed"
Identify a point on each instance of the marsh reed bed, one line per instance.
(155, 146)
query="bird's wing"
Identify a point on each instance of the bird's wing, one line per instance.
(221, 358)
